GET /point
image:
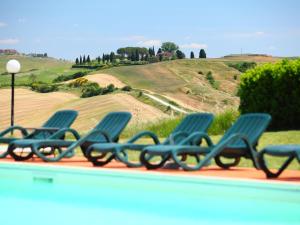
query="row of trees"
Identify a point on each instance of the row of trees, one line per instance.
(168, 51)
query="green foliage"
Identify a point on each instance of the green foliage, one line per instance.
(164, 127)
(79, 82)
(202, 54)
(242, 66)
(169, 47)
(66, 77)
(43, 87)
(215, 84)
(210, 78)
(274, 89)
(180, 54)
(223, 122)
(91, 89)
(126, 88)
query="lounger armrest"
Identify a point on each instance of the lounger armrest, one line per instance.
(59, 134)
(195, 137)
(10, 129)
(172, 138)
(142, 134)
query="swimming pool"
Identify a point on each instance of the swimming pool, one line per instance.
(31, 194)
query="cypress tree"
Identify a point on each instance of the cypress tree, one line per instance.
(83, 60)
(76, 61)
(80, 60)
(192, 55)
(132, 57)
(98, 59)
(103, 58)
(202, 54)
(153, 51)
(160, 56)
(112, 57)
(88, 60)
(137, 55)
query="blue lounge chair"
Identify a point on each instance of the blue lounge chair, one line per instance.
(59, 120)
(239, 141)
(196, 122)
(107, 130)
(290, 152)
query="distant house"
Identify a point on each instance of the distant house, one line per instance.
(167, 55)
(8, 52)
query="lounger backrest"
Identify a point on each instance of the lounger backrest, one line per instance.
(195, 122)
(60, 119)
(112, 124)
(252, 125)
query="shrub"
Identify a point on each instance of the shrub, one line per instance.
(212, 81)
(273, 89)
(223, 121)
(66, 77)
(79, 82)
(153, 59)
(110, 88)
(126, 88)
(43, 87)
(242, 66)
(91, 89)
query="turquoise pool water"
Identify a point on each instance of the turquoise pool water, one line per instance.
(61, 196)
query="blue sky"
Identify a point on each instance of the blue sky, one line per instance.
(66, 29)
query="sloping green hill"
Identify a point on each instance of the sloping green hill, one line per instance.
(185, 82)
(44, 69)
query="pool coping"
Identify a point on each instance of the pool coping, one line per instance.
(156, 174)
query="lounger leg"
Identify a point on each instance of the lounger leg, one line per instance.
(150, 166)
(227, 165)
(268, 172)
(95, 160)
(18, 157)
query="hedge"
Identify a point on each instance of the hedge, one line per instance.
(274, 89)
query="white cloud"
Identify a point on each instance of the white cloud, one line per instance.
(193, 45)
(9, 41)
(149, 43)
(2, 24)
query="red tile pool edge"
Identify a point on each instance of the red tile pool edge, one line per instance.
(291, 176)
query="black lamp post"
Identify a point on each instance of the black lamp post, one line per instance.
(13, 66)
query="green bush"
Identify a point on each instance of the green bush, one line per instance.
(273, 89)
(242, 66)
(43, 87)
(91, 89)
(66, 77)
(126, 88)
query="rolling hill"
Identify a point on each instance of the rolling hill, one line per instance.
(183, 83)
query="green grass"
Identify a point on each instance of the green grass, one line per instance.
(276, 138)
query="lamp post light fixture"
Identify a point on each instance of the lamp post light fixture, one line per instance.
(13, 66)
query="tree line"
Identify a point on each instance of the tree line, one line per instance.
(167, 51)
